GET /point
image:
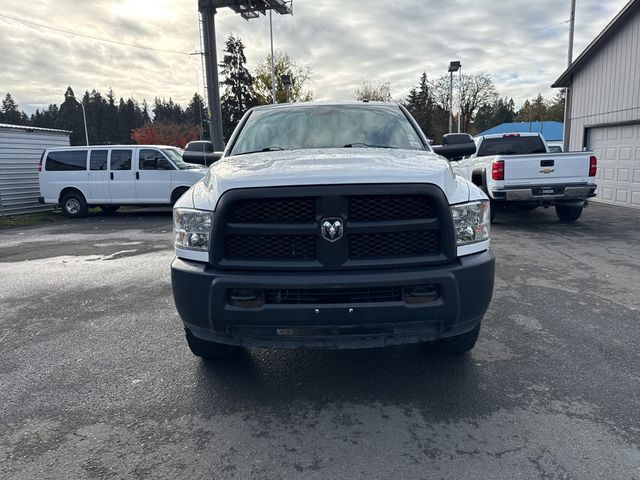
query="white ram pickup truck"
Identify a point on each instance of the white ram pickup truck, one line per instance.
(331, 225)
(517, 169)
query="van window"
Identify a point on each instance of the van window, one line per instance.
(121, 159)
(66, 160)
(98, 160)
(153, 160)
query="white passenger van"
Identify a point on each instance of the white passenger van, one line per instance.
(78, 178)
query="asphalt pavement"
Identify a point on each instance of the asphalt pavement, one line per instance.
(96, 380)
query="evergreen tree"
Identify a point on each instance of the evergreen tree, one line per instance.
(491, 114)
(129, 118)
(167, 111)
(110, 119)
(239, 95)
(10, 112)
(485, 118)
(96, 107)
(504, 111)
(197, 114)
(37, 118)
(145, 112)
(51, 117)
(421, 105)
(70, 118)
(556, 106)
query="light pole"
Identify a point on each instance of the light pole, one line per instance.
(454, 66)
(84, 117)
(273, 65)
(460, 97)
(286, 82)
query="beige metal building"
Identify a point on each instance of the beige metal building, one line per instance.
(20, 151)
(604, 106)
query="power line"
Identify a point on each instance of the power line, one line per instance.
(91, 37)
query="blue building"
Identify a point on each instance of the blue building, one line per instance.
(551, 131)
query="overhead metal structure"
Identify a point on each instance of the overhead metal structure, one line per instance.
(247, 9)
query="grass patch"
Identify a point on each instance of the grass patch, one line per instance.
(30, 219)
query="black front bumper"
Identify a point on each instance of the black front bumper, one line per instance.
(465, 288)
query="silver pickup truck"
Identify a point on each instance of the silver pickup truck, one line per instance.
(517, 169)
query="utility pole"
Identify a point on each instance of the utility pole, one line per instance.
(567, 91)
(572, 22)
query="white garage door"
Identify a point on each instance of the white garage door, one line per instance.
(618, 151)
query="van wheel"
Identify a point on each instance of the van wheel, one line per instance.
(177, 193)
(208, 350)
(456, 345)
(74, 205)
(568, 214)
(109, 209)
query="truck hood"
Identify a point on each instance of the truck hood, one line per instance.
(325, 167)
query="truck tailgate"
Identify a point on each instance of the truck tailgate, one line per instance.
(545, 168)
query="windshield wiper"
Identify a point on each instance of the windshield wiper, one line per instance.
(367, 145)
(265, 149)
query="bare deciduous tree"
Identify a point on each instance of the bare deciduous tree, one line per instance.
(471, 91)
(377, 91)
(300, 74)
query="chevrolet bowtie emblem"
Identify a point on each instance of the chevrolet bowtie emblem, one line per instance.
(547, 170)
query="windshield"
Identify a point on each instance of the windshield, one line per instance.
(175, 156)
(326, 126)
(511, 145)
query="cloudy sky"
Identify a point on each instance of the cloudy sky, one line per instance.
(522, 44)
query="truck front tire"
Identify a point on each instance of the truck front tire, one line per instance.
(208, 350)
(568, 214)
(456, 345)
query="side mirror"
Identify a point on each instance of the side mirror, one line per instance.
(455, 146)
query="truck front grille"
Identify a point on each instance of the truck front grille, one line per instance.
(274, 210)
(281, 247)
(393, 244)
(384, 226)
(389, 207)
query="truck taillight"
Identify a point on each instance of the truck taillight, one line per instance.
(593, 166)
(497, 170)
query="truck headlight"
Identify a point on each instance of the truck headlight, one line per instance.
(471, 221)
(192, 228)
